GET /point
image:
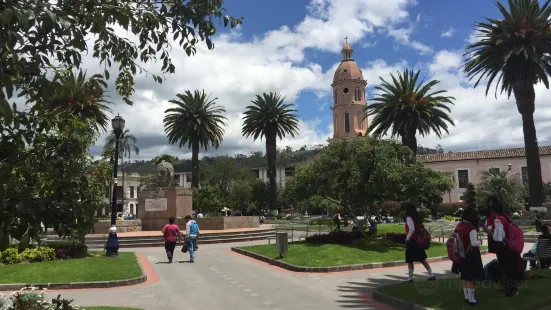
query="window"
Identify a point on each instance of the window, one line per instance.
(256, 173)
(461, 197)
(289, 171)
(132, 208)
(176, 178)
(524, 175)
(346, 122)
(463, 178)
(335, 122)
(188, 177)
(119, 192)
(345, 90)
(494, 170)
(360, 120)
(335, 98)
(356, 94)
(131, 191)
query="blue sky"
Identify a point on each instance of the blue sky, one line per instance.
(293, 47)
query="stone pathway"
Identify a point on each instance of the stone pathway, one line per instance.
(221, 279)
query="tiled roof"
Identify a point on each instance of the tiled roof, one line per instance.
(473, 155)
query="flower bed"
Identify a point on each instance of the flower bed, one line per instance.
(46, 253)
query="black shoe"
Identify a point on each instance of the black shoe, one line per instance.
(473, 303)
(409, 280)
(433, 278)
(170, 260)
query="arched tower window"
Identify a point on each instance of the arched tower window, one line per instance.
(335, 122)
(360, 120)
(346, 122)
(335, 98)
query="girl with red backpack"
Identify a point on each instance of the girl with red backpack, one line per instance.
(511, 242)
(414, 252)
(470, 267)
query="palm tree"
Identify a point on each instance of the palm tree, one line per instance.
(82, 98)
(126, 147)
(197, 122)
(407, 107)
(515, 49)
(271, 118)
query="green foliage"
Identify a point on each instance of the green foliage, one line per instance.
(365, 173)
(208, 198)
(69, 249)
(31, 300)
(451, 218)
(40, 35)
(41, 254)
(148, 180)
(407, 107)
(11, 256)
(470, 196)
(196, 121)
(127, 143)
(505, 186)
(271, 118)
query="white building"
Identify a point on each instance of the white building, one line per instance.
(281, 174)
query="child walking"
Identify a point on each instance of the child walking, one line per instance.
(171, 232)
(471, 268)
(414, 252)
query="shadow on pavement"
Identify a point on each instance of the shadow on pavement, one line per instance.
(357, 295)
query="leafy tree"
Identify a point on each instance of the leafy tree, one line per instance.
(515, 50)
(270, 117)
(260, 194)
(470, 196)
(424, 186)
(68, 98)
(197, 122)
(208, 198)
(40, 36)
(127, 146)
(505, 186)
(407, 107)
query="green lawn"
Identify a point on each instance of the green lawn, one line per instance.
(327, 255)
(98, 268)
(382, 228)
(447, 294)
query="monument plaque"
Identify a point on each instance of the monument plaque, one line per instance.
(156, 204)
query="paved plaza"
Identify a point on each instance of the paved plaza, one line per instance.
(221, 279)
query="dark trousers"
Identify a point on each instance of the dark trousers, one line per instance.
(169, 248)
(532, 262)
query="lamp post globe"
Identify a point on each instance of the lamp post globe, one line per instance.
(112, 248)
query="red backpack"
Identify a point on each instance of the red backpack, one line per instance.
(422, 237)
(456, 249)
(515, 237)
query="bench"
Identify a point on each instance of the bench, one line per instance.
(543, 251)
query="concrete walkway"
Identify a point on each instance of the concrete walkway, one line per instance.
(221, 279)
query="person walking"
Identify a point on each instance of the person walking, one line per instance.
(192, 232)
(511, 265)
(171, 233)
(414, 252)
(337, 220)
(471, 268)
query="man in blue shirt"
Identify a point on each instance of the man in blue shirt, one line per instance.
(192, 232)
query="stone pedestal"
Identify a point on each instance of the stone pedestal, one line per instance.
(157, 205)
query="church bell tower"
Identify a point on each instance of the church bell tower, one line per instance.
(348, 98)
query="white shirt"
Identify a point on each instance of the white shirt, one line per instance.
(411, 227)
(473, 236)
(200, 215)
(499, 231)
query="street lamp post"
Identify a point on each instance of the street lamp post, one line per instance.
(112, 247)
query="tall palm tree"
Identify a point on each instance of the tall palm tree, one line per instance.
(407, 107)
(197, 122)
(515, 49)
(127, 146)
(271, 118)
(81, 97)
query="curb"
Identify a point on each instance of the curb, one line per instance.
(294, 268)
(396, 302)
(78, 285)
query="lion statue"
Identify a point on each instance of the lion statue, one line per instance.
(164, 173)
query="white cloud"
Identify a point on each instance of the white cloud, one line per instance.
(402, 36)
(448, 33)
(473, 37)
(237, 69)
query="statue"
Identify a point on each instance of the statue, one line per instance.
(164, 173)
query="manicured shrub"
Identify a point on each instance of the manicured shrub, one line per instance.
(335, 237)
(31, 299)
(42, 254)
(11, 256)
(396, 237)
(68, 249)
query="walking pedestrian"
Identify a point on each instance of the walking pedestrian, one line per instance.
(414, 252)
(337, 220)
(192, 232)
(171, 233)
(471, 268)
(511, 265)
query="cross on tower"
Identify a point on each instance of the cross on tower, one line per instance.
(346, 39)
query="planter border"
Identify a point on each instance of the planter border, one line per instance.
(79, 285)
(395, 301)
(295, 268)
